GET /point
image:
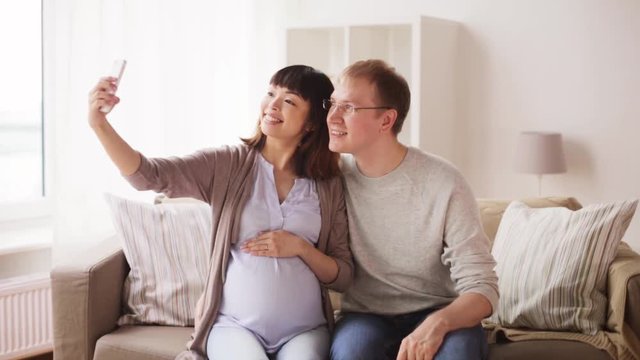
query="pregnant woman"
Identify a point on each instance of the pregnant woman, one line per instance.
(280, 233)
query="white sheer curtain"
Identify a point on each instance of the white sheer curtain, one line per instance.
(187, 86)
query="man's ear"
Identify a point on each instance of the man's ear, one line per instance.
(388, 120)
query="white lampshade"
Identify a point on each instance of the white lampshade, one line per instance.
(540, 153)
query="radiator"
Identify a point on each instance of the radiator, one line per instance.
(25, 316)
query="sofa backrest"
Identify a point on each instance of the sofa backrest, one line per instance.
(491, 210)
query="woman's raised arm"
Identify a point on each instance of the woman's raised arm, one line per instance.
(123, 156)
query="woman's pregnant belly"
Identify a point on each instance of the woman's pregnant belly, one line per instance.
(276, 298)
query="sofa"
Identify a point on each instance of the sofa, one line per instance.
(87, 302)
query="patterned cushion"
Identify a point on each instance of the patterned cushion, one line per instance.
(167, 248)
(552, 264)
(491, 210)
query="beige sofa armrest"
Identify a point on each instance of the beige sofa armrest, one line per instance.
(624, 295)
(632, 308)
(86, 299)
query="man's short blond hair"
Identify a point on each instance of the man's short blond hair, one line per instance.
(392, 88)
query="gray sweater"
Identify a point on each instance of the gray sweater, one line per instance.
(416, 238)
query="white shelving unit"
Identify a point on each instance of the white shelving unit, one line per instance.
(422, 49)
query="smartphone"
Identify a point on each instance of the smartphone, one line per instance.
(117, 69)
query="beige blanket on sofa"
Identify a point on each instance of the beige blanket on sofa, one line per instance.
(617, 339)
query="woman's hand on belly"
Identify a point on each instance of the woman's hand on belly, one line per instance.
(279, 243)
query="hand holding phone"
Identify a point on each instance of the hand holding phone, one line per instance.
(117, 69)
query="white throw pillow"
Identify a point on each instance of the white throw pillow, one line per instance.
(167, 247)
(552, 265)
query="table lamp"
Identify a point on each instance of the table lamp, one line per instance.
(540, 153)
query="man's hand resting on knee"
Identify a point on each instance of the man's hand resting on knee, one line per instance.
(425, 341)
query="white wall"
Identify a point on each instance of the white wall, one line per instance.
(571, 66)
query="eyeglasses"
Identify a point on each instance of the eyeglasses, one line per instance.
(348, 109)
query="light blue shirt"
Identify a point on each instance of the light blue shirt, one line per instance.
(275, 298)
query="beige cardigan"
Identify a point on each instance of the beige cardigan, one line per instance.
(223, 178)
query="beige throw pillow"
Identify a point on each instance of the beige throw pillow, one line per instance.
(167, 248)
(552, 265)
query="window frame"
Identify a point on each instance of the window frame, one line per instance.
(19, 212)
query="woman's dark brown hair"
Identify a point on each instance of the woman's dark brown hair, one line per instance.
(312, 159)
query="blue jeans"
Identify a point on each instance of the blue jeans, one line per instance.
(361, 336)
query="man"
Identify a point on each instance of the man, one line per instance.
(424, 274)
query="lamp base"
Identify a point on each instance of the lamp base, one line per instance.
(539, 185)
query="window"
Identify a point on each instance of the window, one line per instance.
(21, 103)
